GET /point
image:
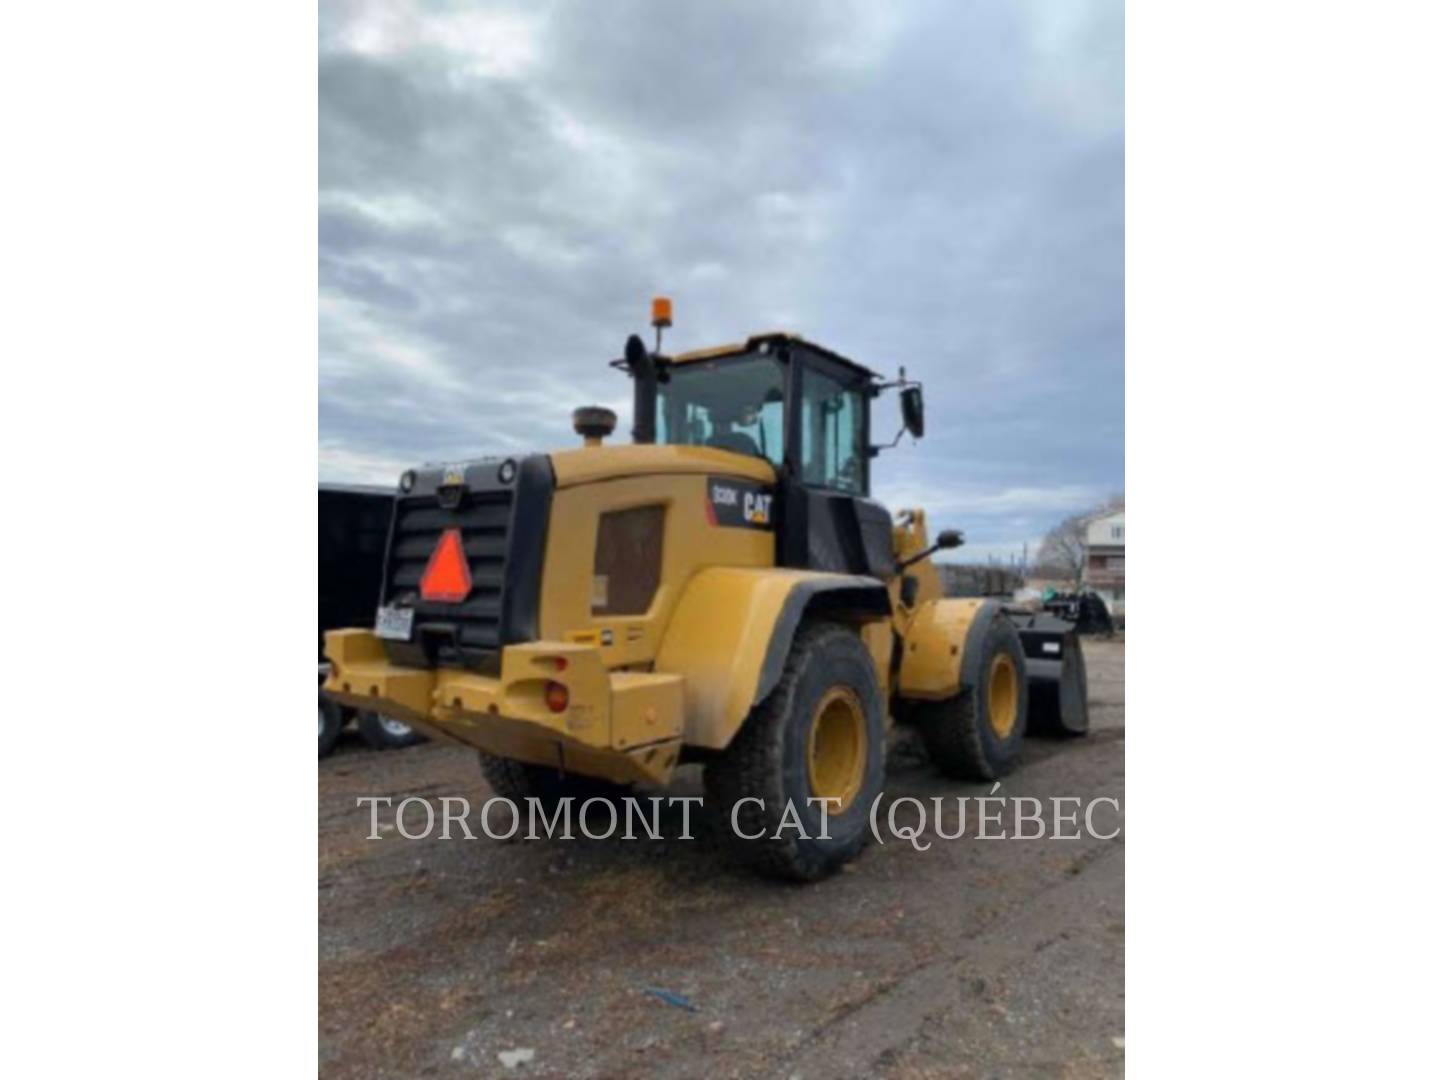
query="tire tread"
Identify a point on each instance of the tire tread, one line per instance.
(954, 730)
(753, 766)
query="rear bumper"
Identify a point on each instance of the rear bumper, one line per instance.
(622, 726)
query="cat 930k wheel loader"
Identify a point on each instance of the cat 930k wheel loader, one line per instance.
(722, 590)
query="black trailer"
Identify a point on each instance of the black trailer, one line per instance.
(354, 525)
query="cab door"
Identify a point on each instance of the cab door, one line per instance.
(827, 519)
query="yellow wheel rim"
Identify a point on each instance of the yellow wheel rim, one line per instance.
(837, 749)
(1004, 695)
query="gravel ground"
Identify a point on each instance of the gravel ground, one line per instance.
(973, 958)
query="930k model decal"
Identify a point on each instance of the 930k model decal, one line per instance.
(739, 504)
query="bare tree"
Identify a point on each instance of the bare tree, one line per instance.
(1062, 552)
(1063, 549)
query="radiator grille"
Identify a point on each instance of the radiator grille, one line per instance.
(502, 528)
(483, 519)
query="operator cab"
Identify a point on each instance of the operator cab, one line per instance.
(736, 399)
(805, 410)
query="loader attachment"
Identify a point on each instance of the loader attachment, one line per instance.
(1055, 670)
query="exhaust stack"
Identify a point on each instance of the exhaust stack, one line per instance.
(644, 368)
(641, 366)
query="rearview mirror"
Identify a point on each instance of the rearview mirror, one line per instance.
(950, 538)
(912, 408)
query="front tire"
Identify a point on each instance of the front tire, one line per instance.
(819, 734)
(979, 733)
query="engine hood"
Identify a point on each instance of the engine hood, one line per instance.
(591, 464)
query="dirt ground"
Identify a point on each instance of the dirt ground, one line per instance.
(975, 958)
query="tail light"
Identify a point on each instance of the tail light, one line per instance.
(557, 697)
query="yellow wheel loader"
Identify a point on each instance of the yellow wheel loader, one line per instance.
(722, 590)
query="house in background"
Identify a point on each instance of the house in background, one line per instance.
(1105, 560)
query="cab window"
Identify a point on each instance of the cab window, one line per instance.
(832, 433)
(734, 403)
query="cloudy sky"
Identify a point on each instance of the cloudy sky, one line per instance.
(935, 184)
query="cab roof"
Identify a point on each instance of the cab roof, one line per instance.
(754, 341)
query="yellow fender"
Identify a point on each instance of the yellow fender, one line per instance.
(731, 632)
(938, 660)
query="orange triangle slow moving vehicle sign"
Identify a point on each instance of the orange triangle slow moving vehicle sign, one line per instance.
(447, 577)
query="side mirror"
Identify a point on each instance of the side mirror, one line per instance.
(912, 408)
(950, 538)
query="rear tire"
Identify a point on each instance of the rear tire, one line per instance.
(978, 734)
(331, 721)
(518, 781)
(382, 732)
(819, 733)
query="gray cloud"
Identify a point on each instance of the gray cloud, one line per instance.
(938, 185)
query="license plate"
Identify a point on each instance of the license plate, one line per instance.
(394, 624)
